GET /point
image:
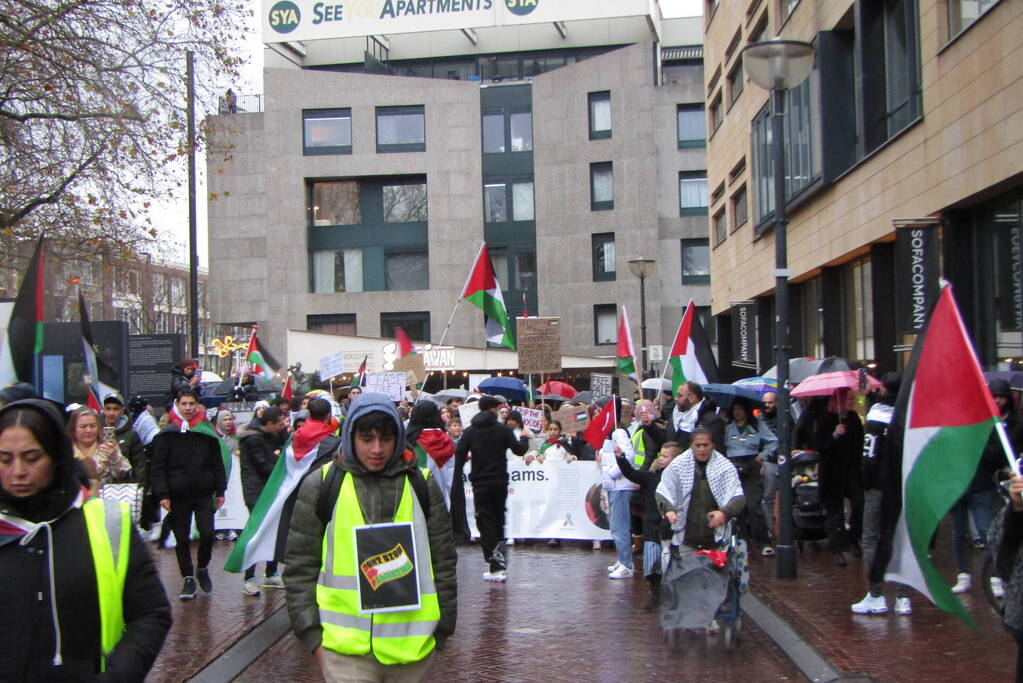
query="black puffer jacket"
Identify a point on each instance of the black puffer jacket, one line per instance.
(186, 465)
(258, 457)
(488, 440)
(28, 641)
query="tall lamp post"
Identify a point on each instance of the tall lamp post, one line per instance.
(642, 268)
(777, 66)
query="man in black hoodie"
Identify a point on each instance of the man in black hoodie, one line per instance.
(188, 478)
(488, 441)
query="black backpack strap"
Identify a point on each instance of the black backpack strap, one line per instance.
(330, 489)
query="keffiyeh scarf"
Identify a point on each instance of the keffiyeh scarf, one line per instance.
(677, 483)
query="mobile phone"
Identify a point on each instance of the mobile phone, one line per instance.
(108, 433)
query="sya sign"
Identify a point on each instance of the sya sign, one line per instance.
(521, 7)
(285, 16)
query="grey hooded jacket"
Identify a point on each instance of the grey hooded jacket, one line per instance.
(378, 494)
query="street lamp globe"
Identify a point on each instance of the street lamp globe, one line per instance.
(642, 267)
(778, 64)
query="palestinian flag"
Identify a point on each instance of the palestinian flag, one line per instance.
(287, 393)
(691, 358)
(260, 359)
(24, 340)
(626, 352)
(259, 540)
(602, 424)
(101, 377)
(359, 379)
(405, 347)
(201, 425)
(943, 418)
(484, 291)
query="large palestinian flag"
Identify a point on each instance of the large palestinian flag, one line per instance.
(625, 352)
(943, 417)
(691, 358)
(484, 291)
(260, 359)
(24, 340)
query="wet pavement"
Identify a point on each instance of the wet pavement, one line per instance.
(559, 617)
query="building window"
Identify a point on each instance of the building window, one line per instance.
(720, 223)
(685, 73)
(496, 200)
(416, 325)
(740, 212)
(859, 313)
(759, 34)
(813, 318)
(406, 270)
(692, 193)
(336, 203)
(337, 270)
(525, 271)
(326, 131)
(602, 186)
(493, 134)
(736, 82)
(695, 262)
(963, 13)
(605, 324)
(405, 203)
(401, 129)
(691, 124)
(891, 70)
(717, 114)
(333, 323)
(521, 128)
(603, 248)
(600, 115)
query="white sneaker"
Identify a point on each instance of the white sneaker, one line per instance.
(274, 581)
(962, 583)
(510, 541)
(622, 572)
(997, 587)
(500, 576)
(231, 535)
(871, 605)
(596, 545)
(171, 542)
(613, 567)
(902, 606)
(250, 587)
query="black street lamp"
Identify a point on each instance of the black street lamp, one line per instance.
(642, 268)
(777, 66)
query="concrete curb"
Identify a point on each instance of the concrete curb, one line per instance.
(246, 650)
(807, 659)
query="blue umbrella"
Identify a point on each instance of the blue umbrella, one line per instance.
(512, 387)
(760, 385)
(724, 394)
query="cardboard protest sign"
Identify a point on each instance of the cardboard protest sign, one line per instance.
(572, 419)
(600, 385)
(531, 418)
(388, 570)
(414, 366)
(539, 342)
(391, 384)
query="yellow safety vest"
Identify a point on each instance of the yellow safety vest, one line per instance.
(395, 637)
(108, 525)
(639, 448)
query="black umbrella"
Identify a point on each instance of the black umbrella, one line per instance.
(262, 385)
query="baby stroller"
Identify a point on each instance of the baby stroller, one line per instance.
(807, 509)
(705, 586)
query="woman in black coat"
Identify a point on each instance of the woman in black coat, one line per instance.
(830, 427)
(51, 626)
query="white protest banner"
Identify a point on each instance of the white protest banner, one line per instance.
(391, 384)
(467, 411)
(475, 378)
(551, 500)
(332, 365)
(233, 514)
(532, 418)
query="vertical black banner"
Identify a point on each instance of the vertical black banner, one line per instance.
(1010, 293)
(917, 270)
(744, 334)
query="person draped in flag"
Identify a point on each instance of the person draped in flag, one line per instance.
(189, 480)
(433, 448)
(72, 621)
(259, 449)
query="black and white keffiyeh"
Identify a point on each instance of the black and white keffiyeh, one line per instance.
(677, 484)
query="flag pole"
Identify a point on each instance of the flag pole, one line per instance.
(1014, 464)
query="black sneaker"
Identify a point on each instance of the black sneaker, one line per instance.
(188, 589)
(204, 581)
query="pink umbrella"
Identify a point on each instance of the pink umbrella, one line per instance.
(556, 387)
(827, 383)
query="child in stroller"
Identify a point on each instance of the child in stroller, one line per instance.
(807, 509)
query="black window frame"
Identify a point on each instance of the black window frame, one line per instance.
(691, 143)
(398, 251)
(314, 114)
(591, 99)
(736, 82)
(331, 318)
(400, 319)
(599, 239)
(690, 243)
(720, 218)
(603, 204)
(386, 148)
(739, 220)
(604, 308)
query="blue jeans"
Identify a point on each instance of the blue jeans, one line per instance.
(621, 525)
(981, 506)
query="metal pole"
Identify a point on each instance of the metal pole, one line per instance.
(786, 549)
(193, 241)
(642, 328)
